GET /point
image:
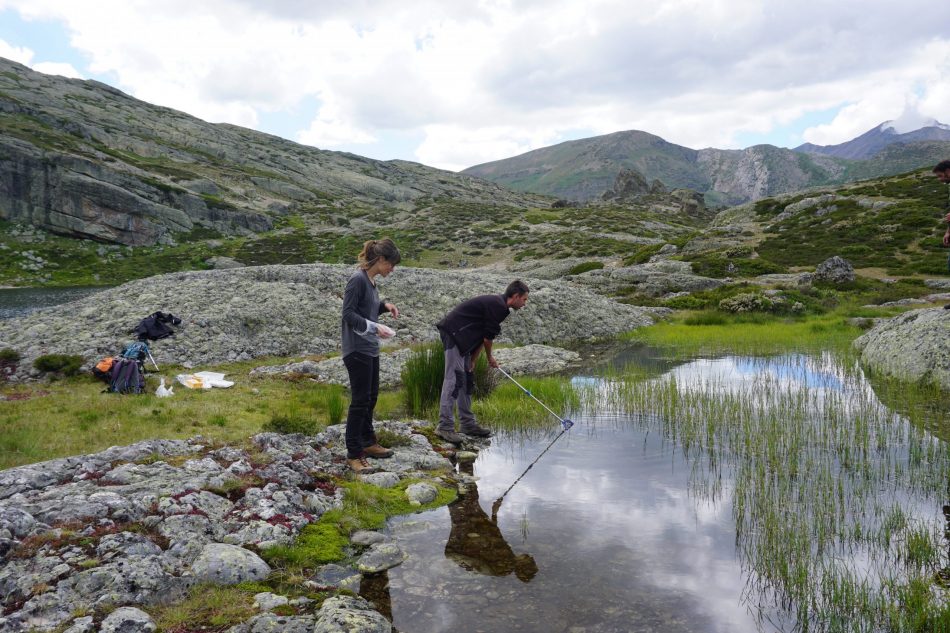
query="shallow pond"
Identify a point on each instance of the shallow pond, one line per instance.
(732, 494)
(15, 302)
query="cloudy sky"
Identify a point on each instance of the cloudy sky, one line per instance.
(453, 84)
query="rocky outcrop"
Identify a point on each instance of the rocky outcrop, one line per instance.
(83, 159)
(914, 346)
(127, 528)
(250, 312)
(81, 197)
(653, 279)
(631, 185)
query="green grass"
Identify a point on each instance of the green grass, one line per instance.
(72, 416)
(422, 378)
(691, 334)
(510, 408)
(365, 507)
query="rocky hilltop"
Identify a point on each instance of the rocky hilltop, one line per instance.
(83, 159)
(251, 312)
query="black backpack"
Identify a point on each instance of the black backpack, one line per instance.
(126, 376)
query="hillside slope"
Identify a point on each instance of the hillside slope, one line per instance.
(894, 224)
(83, 159)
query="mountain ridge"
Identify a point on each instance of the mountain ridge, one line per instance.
(867, 145)
(583, 169)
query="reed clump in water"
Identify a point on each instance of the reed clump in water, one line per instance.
(834, 496)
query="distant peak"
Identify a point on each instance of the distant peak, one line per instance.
(908, 124)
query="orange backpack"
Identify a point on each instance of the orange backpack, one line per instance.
(103, 368)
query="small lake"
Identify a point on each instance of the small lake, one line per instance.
(664, 510)
(15, 302)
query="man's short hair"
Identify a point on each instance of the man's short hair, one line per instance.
(516, 287)
(943, 165)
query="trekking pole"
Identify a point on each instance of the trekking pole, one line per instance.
(566, 424)
(151, 359)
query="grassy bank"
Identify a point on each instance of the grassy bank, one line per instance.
(709, 332)
(72, 416)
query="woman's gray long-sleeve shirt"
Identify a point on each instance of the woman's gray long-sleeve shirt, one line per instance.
(361, 309)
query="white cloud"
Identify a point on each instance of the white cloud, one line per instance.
(16, 53)
(919, 88)
(480, 80)
(58, 68)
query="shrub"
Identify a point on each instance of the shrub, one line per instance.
(66, 364)
(9, 356)
(583, 267)
(747, 302)
(642, 254)
(290, 424)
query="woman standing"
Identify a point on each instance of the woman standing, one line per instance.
(361, 334)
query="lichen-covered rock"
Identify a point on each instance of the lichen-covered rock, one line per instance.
(267, 601)
(229, 314)
(834, 270)
(653, 279)
(914, 346)
(224, 564)
(128, 620)
(381, 480)
(421, 493)
(345, 614)
(270, 623)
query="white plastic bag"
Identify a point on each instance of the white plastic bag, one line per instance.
(214, 379)
(163, 391)
(204, 380)
(192, 381)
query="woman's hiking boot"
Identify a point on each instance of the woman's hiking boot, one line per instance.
(360, 465)
(377, 451)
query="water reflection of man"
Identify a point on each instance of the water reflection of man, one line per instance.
(477, 544)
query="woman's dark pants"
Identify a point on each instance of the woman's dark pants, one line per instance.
(364, 389)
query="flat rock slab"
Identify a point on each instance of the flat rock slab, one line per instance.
(245, 313)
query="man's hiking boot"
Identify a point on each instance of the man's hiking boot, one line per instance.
(360, 465)
(477, 431)
(377, 451)
(449, 436)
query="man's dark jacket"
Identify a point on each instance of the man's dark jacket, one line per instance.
(474, 320)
